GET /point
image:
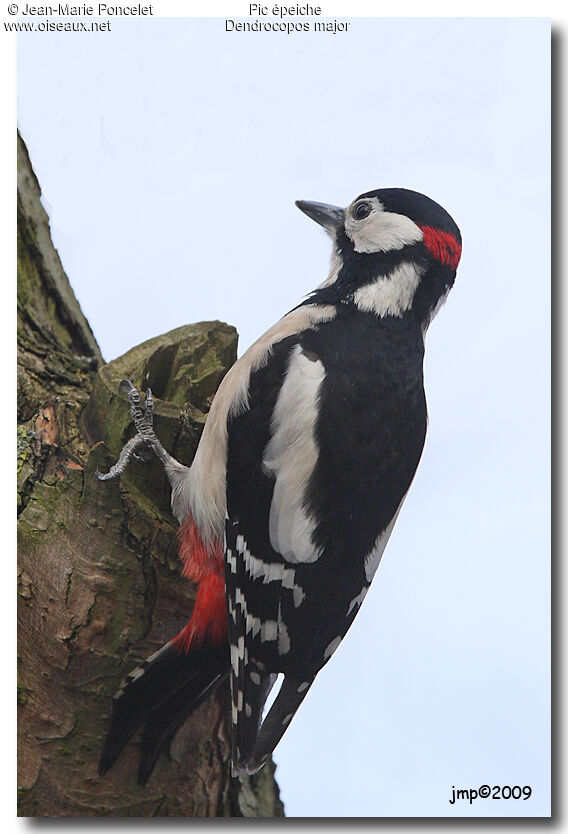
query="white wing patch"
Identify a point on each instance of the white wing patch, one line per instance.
(291, 455)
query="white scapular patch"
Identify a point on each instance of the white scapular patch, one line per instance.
(357, 601)
(290, 457)
(381, 231)
(201, 490)
(374, 557)
(332, 647)
(392, 294)
(270, 572)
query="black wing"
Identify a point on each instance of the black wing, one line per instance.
(290, 605)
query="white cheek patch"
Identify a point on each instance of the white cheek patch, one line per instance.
(392, 294)
(382, 231)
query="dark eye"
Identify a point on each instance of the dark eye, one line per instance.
(362, 210)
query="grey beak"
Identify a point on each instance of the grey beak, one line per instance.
(330, 217)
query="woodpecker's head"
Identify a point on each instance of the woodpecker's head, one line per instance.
(395, 250)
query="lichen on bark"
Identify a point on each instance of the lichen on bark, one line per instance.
(99, 585)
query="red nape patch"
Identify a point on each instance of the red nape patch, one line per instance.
(198, 559)
(209, 618)
(442, 245)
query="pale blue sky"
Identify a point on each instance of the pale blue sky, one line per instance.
(170, 154)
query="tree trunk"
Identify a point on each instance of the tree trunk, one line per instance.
(99, 583)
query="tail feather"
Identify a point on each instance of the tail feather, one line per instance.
(248, 714)
(292, 693)
(161, 694)
(168, 718)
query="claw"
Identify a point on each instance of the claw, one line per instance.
(125, 387)
(145, 441)
(149, 404)
(145, 455)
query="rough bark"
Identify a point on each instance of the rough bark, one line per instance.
(99, 583)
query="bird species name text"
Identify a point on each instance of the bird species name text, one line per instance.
(286, 26)
(284, 11)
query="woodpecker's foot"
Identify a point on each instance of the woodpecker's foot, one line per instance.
(145, 442)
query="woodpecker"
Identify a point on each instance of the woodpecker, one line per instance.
(308, 452)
